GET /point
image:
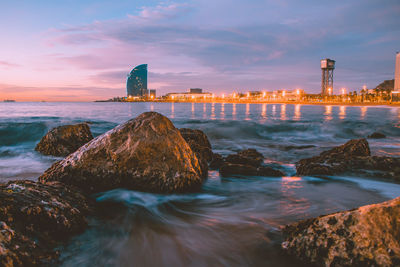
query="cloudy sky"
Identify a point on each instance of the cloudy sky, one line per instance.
(75, 50)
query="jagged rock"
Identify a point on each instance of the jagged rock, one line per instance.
(35, 217)
(367, 236)
(146, 153)
(354, 156)
(63, 140)
(229, 169)
(200, 145)
(335, 160)
(376, 135)
(216, 161)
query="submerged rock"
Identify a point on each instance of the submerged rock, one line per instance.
(146, 153)
(200, 145)
(246, 162)
(35, 217)
(63, 140)
(367, 236)
(377, 135)
(354, 156)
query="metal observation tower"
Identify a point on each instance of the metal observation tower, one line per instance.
(327, 67)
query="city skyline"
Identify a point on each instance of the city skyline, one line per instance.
(73, 51)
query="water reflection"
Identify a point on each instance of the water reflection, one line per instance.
(292, 203)
(212, 111)
(273, 110)
(328, 113)
(204, 110)
(342, 113)
(264, 111)
(283, 112)
(363, 112)
(234, 111)
(172, 110)
(152, 106)
(193, 111)
(222, 111)
(247, 111)
(297, 112)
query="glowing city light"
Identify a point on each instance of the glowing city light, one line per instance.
(248, 94)
(192, 96)
(264, 94)
(152, 96)
(223, 95)
(172, 97)
(329, 91)
(343, 91)
(283, 93)
(234, 95)
(297, 92)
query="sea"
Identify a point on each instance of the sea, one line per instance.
(233, 221)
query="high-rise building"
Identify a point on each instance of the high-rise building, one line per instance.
(136, 83)
(397, 73)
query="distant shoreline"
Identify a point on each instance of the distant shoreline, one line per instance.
(276, 102)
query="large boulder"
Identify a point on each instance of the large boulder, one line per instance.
(200, 145)
(63, 140)
(146, 153)
(353, 156)
(35, 218)
(367, 236)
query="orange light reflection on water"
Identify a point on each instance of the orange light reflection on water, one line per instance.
(297, 112)
(342, 113)
(328, 113)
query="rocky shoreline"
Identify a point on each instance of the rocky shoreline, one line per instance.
(149, 154)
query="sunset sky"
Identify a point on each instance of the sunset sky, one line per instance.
(82, 50)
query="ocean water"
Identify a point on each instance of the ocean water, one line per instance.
(233, 221)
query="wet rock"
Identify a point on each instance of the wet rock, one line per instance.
(146, 153)
(354, 156)
(247, 162)
(63, 140)
(229, 169)
(34, 218)
(376, 135)
(246, 157)
(367, 236)
(216, 162)
(335, 160)
(200, 145)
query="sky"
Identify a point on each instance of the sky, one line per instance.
(74, 50)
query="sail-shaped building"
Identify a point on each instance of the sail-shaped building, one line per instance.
(136, 83)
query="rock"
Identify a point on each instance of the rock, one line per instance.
(354, 156)
(335, 160)
(269, 171)
(367, 236)
(35, 217)
(146, 153)
(246, 157)
(376, 135)
(247, 162)
(229, 169)
(63, 140)
(216, 162)
(200, 145)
